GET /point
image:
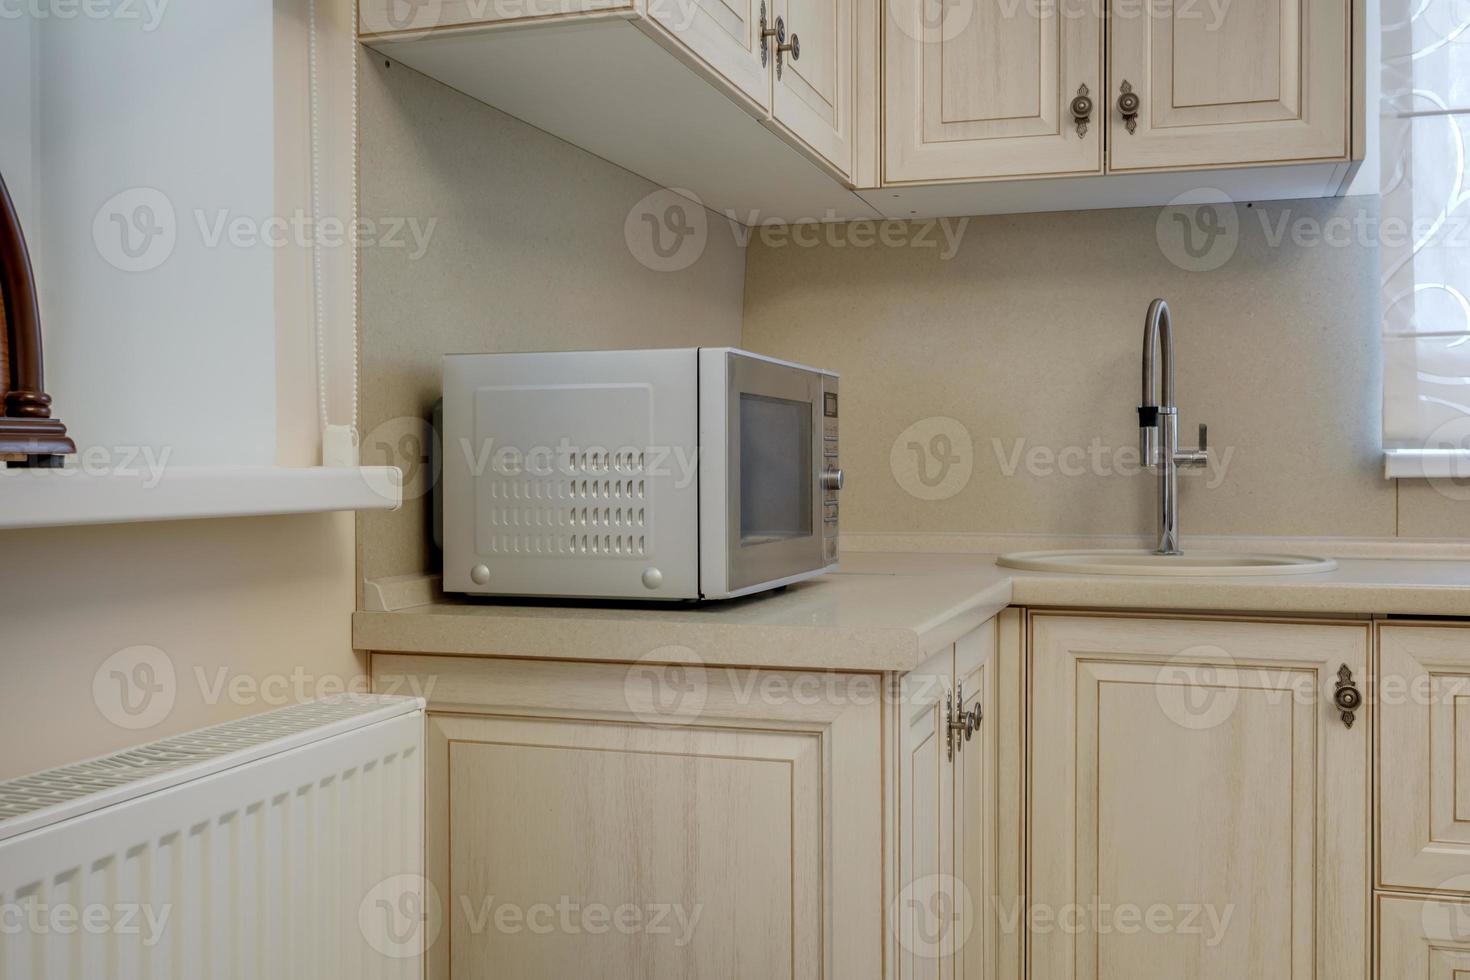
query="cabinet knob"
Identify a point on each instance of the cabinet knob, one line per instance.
(1128, 104)
(1082, 110)
(1347, 697)
(783, 47)
(766, 34)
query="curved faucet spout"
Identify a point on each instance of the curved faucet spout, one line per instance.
(1158, 341)
(1158, 421)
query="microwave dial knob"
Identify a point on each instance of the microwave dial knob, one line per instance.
(480, 575)
(652, 578)
(832, 479)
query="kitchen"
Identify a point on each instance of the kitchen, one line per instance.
(917, 762)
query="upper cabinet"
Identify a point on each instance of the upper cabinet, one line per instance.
(1247, 82)
(813, 96)
(980, 97)
(829, 110)
(987, 90)
(745, 105)
(727, 36)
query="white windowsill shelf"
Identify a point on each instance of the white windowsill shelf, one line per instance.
(60, 498)
(1410, 464)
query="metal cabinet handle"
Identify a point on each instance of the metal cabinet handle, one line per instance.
(766, 34)
(960, 728)
(782, 47)
(1347, 697)
(1128, 103)
(1082, 110)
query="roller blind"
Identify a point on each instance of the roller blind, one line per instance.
(1425, 230)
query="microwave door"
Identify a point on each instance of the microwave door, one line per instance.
(774, 497)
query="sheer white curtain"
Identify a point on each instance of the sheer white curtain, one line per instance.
(1425, 111)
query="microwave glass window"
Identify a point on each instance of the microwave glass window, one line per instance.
(775, 469)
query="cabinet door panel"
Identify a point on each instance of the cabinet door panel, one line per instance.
(715, 834)
(1424, 757)
(1423, 938)
(1198, 806)
(982, 828)
(928, 909)
(725, 35)
(978, 90)
(813, 98)
(1251, 81)
(690, 818)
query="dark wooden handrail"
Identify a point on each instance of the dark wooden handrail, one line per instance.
(27, 429)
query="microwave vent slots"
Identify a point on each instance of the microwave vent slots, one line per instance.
(596, 505)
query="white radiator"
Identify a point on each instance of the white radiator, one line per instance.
(285, 845)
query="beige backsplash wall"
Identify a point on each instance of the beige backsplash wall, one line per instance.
(1028, 337)
(527, 252)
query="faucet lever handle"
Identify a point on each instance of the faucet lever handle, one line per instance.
(1204, 441)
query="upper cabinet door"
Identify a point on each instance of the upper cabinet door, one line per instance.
(1198, 807)
(1244, 82)
(1424, 757)
(725, 35)
(976, 89)
(813, 96)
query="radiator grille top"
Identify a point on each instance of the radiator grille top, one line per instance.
(53, 794)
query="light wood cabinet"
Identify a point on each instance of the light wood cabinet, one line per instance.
(1422, 937)
(1249, 82)
(957, 914)
(976, 91)
(812, 97)
(725, 35)
(979, 90)
(1198, 806)
(633, 821)
(1423, 764)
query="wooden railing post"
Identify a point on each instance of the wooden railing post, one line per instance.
(27, 429)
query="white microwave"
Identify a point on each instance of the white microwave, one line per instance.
(689, 473)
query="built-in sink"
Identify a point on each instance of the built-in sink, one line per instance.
(1124, 562)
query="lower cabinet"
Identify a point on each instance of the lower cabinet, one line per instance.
(958, 912)
(1060, 796)
(1198, 802)
(650, 820)
(1423, 748)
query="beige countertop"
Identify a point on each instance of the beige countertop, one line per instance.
(882, 611)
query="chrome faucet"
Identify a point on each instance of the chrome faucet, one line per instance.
(1158, 421)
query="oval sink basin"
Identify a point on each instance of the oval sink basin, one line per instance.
(1128, 562)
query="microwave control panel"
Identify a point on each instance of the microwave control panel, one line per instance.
(831, 469)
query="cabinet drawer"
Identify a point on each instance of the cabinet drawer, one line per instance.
(714, 810)
(1423, 757)
(1422, 938)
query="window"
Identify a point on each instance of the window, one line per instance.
(1425, 249)
(161, 157)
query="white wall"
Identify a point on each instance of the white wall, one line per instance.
(149, 129)
(249, 614)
